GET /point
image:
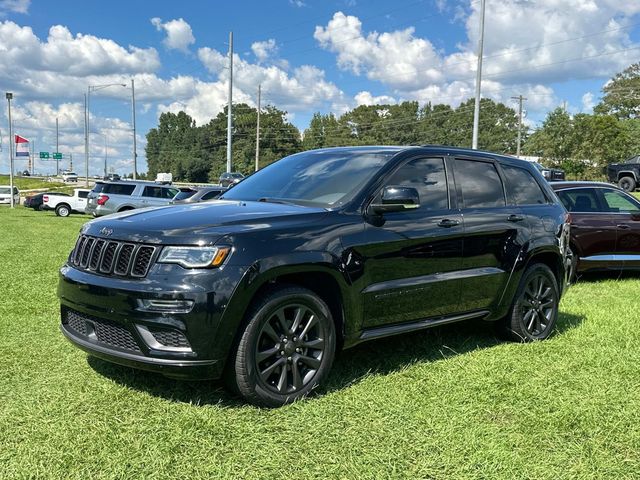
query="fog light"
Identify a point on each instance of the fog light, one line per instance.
(165, 306)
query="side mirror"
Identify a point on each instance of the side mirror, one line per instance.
(396, 199)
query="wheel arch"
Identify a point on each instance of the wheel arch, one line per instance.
(627, 173)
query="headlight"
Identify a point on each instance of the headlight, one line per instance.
(194, 257)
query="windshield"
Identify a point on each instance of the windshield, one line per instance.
(316, 178)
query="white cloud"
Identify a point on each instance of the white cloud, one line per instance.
(366, 98)
(17, 6)
(303, 88)
(68, 54)
(297, 3)
(179, 33)
(588, 102)
(263, 50)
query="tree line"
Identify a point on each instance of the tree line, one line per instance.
(582, 144)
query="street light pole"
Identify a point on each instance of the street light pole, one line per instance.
(57, 150)
(9, 96)
(476, 110)
(86, 141)
(133, 114)
(258, 130)
(229, 120)
(93, 88)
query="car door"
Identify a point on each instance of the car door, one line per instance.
(412, 258)
(625, 213)
(153, 196)
(493, 232)
(81, 201)
(593, 231)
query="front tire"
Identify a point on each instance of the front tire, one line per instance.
(63, 211)
(286, 349)
(628, 184)
(534, 311)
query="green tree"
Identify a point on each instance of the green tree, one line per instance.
(622, 95)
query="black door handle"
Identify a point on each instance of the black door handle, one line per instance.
(622, 226)
(447, 222)
(515, 218)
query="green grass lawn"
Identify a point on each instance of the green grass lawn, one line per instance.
(29, 183)
(452, 402)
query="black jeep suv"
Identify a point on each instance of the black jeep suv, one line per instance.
(319, 251)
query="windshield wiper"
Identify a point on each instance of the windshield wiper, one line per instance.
(276, 200)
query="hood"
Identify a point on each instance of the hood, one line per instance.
(199, 223)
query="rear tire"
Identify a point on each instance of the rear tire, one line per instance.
(63, 210)
(628, 184)
(286, 349)
(534, 311)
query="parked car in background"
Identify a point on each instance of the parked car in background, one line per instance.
(120, 196)
(112, 177)
(605, 225)
(69, 177)
(550, 174)
(197, 194)
(25, 173)
(5, 194)
(64, 205)
(318, 251)
(228, 179)
(36, 201)
(626, 174)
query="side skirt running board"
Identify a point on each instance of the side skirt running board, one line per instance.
(389, 330)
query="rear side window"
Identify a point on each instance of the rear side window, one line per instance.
(522, 188)
(184, 194)
(428, 177)
(619, 202)
(118, 189)
(153, 192)
(480, 183)
(211, 195)
(83, 194)
(583, 200)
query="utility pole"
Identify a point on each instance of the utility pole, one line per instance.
(9, 96)
(86, 141)
(57, 151)
(71, 162)
(520, 99)
(476, 110)
(258, 130)
(229, 121)
(133, 112)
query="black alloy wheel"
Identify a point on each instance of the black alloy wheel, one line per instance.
(289, 349)
(286, 348)
(535, 308)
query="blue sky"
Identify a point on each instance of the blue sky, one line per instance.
(326, 56)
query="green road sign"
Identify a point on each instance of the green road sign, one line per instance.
(44, 154)
(57, 156)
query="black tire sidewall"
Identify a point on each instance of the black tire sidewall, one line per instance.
(246, 376)
(62, 208)
(515, 325)
(627, 184)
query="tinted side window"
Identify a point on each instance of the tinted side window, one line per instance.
(210, 195)
(522, 188)
(118, 189)
(580, 200)
(153, 192)
(83, 194)
(428, 177)
(619, 202)
(169, 192)
(480, 183)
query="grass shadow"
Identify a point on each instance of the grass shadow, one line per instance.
(381, 356)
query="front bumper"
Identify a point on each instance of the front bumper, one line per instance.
(111, 318)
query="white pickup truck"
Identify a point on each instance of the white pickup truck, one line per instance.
(64, 205)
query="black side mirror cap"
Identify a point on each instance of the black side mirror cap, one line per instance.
(396, 199)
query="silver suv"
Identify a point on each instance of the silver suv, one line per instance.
(112, 197)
